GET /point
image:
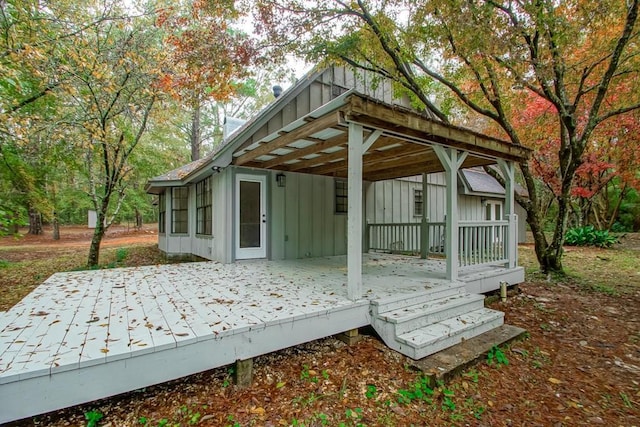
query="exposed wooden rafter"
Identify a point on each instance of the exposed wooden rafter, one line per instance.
(414, 135)
(309, 128)
(298, 153)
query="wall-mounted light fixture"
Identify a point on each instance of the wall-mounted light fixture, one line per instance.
(483, 200)
(216, 169)
(281, 179)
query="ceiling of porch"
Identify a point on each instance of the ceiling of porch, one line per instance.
(317, 143)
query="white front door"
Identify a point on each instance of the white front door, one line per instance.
(251, 217)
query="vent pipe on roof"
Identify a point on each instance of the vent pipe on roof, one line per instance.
(277, 91)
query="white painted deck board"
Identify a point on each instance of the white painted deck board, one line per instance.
(84, 322)
(140, 338)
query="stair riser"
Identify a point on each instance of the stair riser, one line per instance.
(437, 293)
(446, 312)
(419, 353)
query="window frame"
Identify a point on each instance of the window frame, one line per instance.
(162, 213)
(418, 200)
(204, 207)
(341, 197)
(174, 210)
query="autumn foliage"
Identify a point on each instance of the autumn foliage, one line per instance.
(207, 57)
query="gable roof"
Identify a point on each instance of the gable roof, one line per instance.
(306, 130)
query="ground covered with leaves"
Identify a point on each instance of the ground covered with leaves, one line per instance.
(578, 365)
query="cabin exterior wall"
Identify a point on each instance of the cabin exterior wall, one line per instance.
(304, 222)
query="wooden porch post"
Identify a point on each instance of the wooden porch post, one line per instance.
(424, 226)
(451, 159)
(357, 147)
(354, 213)
(508, 172)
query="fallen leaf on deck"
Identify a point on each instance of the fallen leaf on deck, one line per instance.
(40, 313)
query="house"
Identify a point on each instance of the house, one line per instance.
(337, 165)
(287, 209)
(281, 186)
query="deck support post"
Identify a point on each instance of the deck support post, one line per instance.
(451, 160)
(350, 337)
(357, 147)
(508, 172)
(243, 374)
(424, 226)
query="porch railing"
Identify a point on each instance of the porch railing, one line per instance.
(479, 242)
(406, 238)
(483, 242)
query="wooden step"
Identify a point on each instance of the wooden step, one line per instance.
(419, 315)
(397, 302)
(438, 336)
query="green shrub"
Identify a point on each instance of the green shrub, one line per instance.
(121, 254)
(589, 236)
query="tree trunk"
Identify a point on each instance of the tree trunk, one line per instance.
(56, 227)
(96, 240)
(138, 219)
(616, 209)
(549, 255)
(196, 133)
(35, 222)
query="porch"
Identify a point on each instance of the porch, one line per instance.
(81, 336)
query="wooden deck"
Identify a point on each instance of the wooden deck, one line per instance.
(85, 335)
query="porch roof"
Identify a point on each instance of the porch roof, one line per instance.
(317, 144)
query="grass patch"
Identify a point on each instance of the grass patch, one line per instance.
(611, 272)
(4, 263)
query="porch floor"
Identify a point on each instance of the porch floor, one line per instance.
(90, 334)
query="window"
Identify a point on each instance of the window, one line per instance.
(180, 210)
(162, 212)
(341, 196)
(493, 211)
(203, 207)
(418, 205)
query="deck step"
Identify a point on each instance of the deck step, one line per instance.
(430, 339)
(398, 302)
(426, 313)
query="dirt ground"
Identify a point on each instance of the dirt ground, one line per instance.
(579, 365)
(28, 246)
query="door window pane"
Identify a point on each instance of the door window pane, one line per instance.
(250, 214)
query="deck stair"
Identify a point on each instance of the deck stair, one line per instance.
(422, 324)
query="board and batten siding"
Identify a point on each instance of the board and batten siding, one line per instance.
(303, 220)
(392, 201)
(216, 247)
(222, 244)
(326, 86)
